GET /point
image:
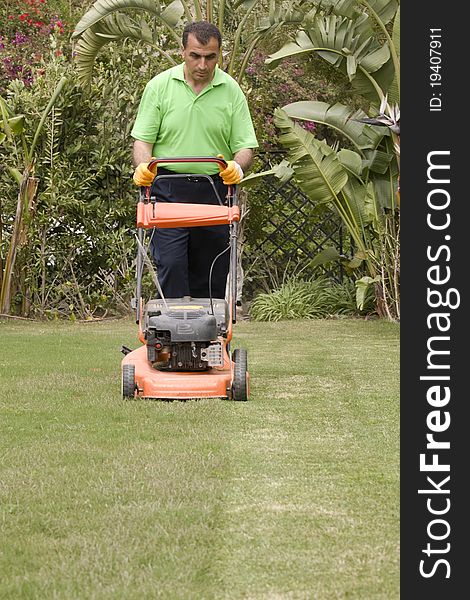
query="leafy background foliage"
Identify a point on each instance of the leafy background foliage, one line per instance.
(77, 248)
(81, 246)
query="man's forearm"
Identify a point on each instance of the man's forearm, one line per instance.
(244, 158)
(142, 152)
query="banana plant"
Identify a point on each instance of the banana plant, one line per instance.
(10, 128)
(359, 184)
(360, 38)
(354, 184)
(145, 20)
(328, 176)
(353, 36)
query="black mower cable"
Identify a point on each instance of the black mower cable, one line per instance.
(210, 276)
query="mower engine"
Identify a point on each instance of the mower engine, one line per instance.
(183, 335)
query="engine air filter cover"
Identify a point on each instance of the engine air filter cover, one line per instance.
(185, 325)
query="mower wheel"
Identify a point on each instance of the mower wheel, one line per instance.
(128, 381)
(240, 383)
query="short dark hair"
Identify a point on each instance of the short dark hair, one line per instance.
(203, 31)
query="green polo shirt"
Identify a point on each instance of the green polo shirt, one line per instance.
(180, 123)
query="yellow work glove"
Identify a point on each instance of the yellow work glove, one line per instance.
(143, 175)
(232, 174)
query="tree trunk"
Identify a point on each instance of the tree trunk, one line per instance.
(24, 207)
(1, 244)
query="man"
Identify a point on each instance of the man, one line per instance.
(193, 109)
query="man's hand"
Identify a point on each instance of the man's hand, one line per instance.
(143, 176)
(232, 174)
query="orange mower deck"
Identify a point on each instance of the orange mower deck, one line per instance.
(153, 384)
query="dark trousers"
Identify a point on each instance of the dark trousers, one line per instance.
(184, 255)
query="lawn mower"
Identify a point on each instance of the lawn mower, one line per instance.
(185, 352)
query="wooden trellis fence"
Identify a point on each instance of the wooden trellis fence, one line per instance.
(286, 228)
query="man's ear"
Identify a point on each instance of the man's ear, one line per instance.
(182, 50)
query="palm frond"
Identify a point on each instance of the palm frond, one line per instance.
(283, 171)
(104, 23)
(394, 89)
(114, 27)
(385, 9)
(353, 201)
(101, 9)
(339, 117)
(345, 8)
(378, 161)
(351, 161)
(348, 44)
(317, 168)
(279, 14)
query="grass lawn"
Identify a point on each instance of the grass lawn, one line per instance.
(292, 495)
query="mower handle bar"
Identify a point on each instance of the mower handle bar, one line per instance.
(189, 159)
(233, 236)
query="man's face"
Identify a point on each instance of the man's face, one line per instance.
(200, 60)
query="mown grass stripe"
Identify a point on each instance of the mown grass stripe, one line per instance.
(291, 495)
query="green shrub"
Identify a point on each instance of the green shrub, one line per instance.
(311, 299)
(78, 257)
